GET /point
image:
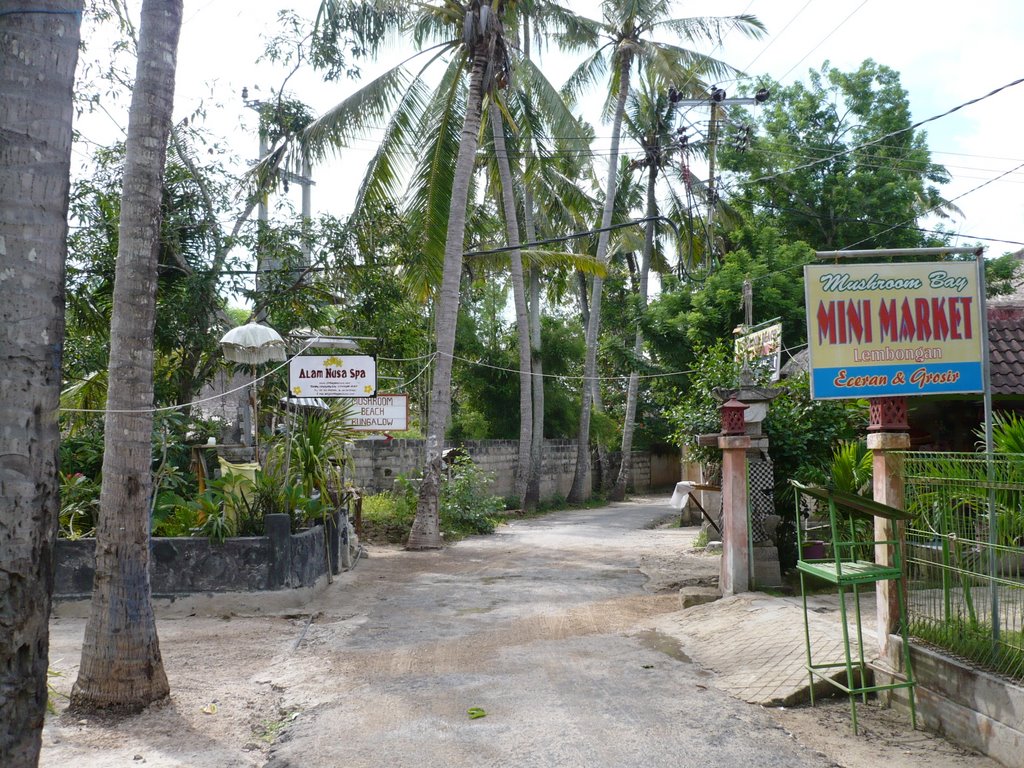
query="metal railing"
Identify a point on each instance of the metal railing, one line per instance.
(965, 579)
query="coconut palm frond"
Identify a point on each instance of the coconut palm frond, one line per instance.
(546, 101)
(569, 31)
(369, 24)
(429, 195)
(388, 169)
(713, 28)
(590, 71)
(674, 64)
(370, 106)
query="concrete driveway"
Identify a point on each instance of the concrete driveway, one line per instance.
(543, 627)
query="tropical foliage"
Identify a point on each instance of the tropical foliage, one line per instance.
(805, 173)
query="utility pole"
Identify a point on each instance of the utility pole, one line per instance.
(716, 100)
(304, 180)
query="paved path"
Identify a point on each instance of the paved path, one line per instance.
(565, 630)
(546, 627)
(754, 643)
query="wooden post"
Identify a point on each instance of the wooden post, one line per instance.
(735, 568)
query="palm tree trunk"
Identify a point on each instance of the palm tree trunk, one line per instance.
(426, 528)
(38, 54)
(121, 665)
(597, 404)
(519, 299)
(532, 498)
(580, 480)
(632, 391)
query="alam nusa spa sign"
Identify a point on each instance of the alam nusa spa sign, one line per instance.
(332, 376)
(887, 330)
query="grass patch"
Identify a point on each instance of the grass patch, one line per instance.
(387, 517)
(269, 730)
(467, 508)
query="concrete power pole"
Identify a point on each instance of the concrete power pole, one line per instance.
(716, 100)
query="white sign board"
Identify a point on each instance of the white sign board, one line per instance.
(383, 413)
(332, 376)
(762, 349)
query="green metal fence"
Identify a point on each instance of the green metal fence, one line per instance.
(965, 578)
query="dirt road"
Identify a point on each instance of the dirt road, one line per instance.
(539, 630)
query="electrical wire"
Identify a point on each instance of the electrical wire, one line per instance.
(935, 207)
(882, 138)
(781, 32)
(567, 377)
(822, 41)
(200, 401)
(421, 372)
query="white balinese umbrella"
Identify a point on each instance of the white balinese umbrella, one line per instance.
(254, 344)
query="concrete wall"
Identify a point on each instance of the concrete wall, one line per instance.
(181, 566)
(967, 705)
(378, 463)
(665, 470)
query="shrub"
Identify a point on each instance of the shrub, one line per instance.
(466, 506)
(79, 503)
(388, 516)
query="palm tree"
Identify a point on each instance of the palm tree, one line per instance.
(519, 298)
(648, 121)
(422, 123)
(121, 666)
(534, 110)
(38, 55)
(621, 42)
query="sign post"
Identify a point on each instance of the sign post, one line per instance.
(884, 330)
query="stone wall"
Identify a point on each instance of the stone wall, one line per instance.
(181, 566)
(981, 711)
(378, 463)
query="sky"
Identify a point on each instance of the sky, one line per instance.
(946, 53)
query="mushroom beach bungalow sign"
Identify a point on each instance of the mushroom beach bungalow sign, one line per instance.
(332, 376)
(886, 330)
(382, 413)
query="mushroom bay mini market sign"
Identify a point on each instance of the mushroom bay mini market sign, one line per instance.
(886, 330)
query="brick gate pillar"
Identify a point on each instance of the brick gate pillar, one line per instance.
(888, 434)
(735, 569)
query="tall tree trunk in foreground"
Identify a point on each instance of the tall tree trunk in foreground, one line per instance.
(519, 296)
(121, 666)
(38, 54)
(426, 528)
(618, 492)
(578, 491)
